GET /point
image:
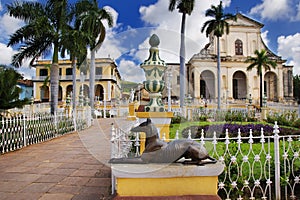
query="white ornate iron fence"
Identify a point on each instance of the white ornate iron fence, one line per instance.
(256, 167)
(19, 130)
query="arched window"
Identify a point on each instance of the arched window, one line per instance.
(238, 47)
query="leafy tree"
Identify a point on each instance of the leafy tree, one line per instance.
(296, 82)
(41, 35)
(185, 7)
(91, 18)
(259, 62)
(9, 91)
(217, 26)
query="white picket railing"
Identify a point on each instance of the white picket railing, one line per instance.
(256, 167)
(19, 130)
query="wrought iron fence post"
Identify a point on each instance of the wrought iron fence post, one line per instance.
(112, 140)
(277, 161)
(24, 131)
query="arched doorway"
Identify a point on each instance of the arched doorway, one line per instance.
(239, 85)
(112, 92)
(270, 86)
(86, 90)
(44, 93)
(60, 93)
(192, 84)
(207, 85)
(69, 90)
(99, 91)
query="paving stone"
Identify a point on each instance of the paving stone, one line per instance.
(85, 172)
(24, 196)
(71, 189)
(40, 170)
(79, 181)
(94, 190)
(12, 186)
(38, 187)
(59, 196)
(17, 169)
(99, 182)
(90, 197)
(59, 171)
(49, 179)
(12, 176)
(70, 166)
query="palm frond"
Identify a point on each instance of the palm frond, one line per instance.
(27, 11)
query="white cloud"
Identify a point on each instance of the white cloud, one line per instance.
(168, 27)
(8, 25)
(297, 17)
(6, 54)
(274, 9)
(131, 72)
(264, 36)
(1, 8)
(5, 59)
(289, 48)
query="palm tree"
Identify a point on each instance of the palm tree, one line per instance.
(261, 60)
(217, 26)
(41, 35)
(184, 7)
(74, 42)
(91, 18)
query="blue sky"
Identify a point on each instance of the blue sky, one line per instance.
(136, 20)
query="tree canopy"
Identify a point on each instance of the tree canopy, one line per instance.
(9, 91)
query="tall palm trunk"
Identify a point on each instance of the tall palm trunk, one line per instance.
(92, 79)
(182, 61)
(54, 74)
(261, 90)
(219, 72)
(74, 93)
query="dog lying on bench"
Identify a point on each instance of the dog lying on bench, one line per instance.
(158, 151)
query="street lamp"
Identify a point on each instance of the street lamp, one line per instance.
(264, 100)
(169, 87)
(81, 95)
(250, 99)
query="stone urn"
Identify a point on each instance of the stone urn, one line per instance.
(154, 69)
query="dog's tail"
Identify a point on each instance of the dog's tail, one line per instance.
(127, 161)
(213, 160)
(210, 161)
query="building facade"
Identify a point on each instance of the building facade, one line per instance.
(27, 89)
(237, 84)
(107, 80)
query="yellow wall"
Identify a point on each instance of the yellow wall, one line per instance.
(202, 185)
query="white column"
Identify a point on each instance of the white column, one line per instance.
(108, 91)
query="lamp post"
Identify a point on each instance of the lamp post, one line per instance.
(169, 87)
(250, 99)
(104, 105)
(264, 100)
(81, 94)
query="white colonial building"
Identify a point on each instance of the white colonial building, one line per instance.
(237, 84)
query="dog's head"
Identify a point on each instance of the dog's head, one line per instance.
(147, 127)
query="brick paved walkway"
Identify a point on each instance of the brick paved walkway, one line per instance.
(69, 167)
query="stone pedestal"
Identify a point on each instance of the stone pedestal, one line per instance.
(166, 180)
(161, 120)
(131, 115)
(264, 111)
